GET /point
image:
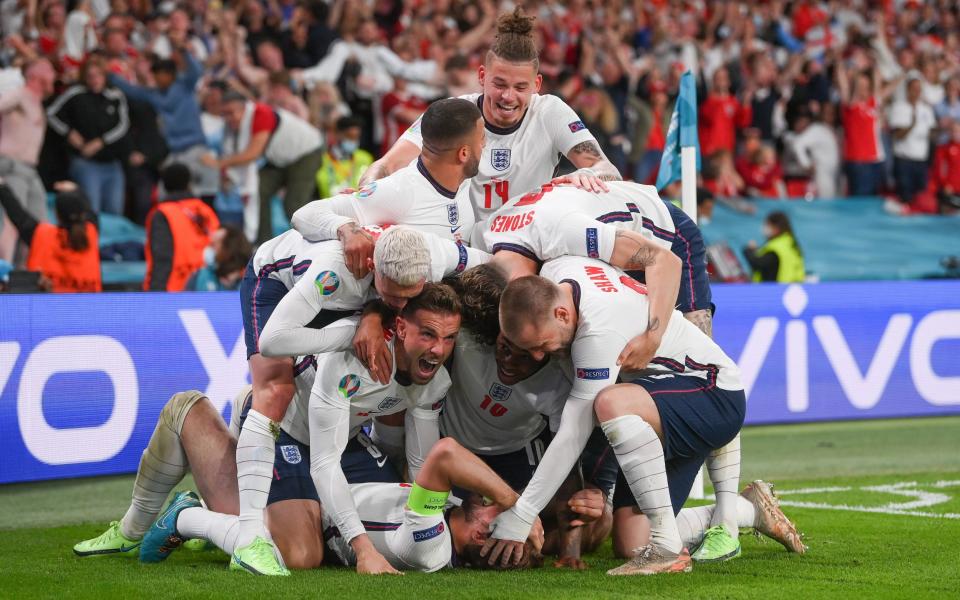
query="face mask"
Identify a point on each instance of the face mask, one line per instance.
(767, 231)
(348, 147)
(210, 257)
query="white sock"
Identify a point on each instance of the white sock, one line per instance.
(162, 465)
(694, 522)
(723, 467)
(219, 529)
(640, 455)
(255, 455)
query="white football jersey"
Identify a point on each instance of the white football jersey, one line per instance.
(409, 196)
(343, 380)
(612, 309)
(521, 158)
(318, 271)
(561, 220)
(489, 417)
(409, 541)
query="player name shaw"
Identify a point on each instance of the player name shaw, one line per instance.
(599, 278)
(512, 222)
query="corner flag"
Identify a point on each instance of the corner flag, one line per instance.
(682, 132)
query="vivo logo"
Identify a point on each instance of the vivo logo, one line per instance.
(863, 388)
(227, 373)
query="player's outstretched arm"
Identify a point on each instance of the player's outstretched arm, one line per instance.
(593, 167)
(320, 220)
(632, 251)
(399, 155)
(449, 465)
(286, 332)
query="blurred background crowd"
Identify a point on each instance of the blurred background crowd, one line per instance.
(98, 98)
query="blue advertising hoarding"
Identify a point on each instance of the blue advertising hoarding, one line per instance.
(84, 377)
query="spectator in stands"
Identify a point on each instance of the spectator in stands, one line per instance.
(780, 258)
(650, 136)
(178, 230)
(66, 255)
(280, 95)
(599, 114)
(326, 106)
(23, 122)
(94, 120)
(344, 161)
(945, 174)
(811, 149)
(721, 114)
(761, 174)
(225, 260)
(174, 99)
(142, 168)
(293, 150)
(912, 122)
(399, 109)
(721, 177)
(861, 101)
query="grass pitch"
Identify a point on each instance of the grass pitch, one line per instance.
(879, 502)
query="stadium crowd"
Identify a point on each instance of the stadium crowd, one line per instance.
(796, 99)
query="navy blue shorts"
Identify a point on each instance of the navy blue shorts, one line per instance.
(697, 417)
(598, 463)
(694, 293)
(259, 296)
(361, 462)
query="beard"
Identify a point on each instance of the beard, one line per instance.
(472, 167)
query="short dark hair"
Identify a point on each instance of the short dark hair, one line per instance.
(233, 96)
(526, 300)
(447, 122)
(236, 251)
(345, 123)
(281, 78)
(435, 297)
(175, 178)
(479, 289)
(164, 65)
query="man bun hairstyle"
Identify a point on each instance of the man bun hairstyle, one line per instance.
(514, 40)
(447, 123)
(435, 298)
(525, 301)
(401, 255)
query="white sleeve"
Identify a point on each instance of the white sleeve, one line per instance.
(417, 70)
(329, 433)
(448, 257)
(422, 432)
(576, 424)
(579, 235)
(329, 68)
(413, 134)
(286, 332)
(900, 115)
(565, 127)
(319, 220)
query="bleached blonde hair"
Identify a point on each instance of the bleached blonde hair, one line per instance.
(401, 255)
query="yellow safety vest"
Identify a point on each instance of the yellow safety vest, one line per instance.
(791, 268)
(335, 175)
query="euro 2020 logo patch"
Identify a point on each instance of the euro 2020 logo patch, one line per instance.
(291, 454)
(349, 385)
(367, 190)
(500, 159)
(327, 282)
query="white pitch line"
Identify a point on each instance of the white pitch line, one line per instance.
(869, 509)
(813, 490)
(945, 484)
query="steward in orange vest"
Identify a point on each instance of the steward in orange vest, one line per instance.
(68, 254)
(178, 229)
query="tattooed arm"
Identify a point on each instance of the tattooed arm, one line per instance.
(634, 252)
(588, 158)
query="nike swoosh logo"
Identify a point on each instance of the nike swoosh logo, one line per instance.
(381, 462)
(455, 229)
(126, 549)
(246, 566)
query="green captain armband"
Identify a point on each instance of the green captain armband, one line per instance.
(426, 502)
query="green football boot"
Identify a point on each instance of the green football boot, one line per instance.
(111, 541)
(257, 557)
(717, 546)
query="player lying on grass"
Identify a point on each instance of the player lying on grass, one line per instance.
(589, 310)
(290, 284)
(630, 227)
(413, 526)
